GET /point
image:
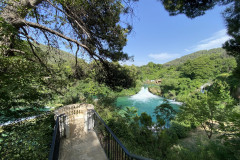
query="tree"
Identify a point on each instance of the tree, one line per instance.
(92, 28)
(150, 71)
(164, 114)
(91, 25)
(232, 16)
(116, 76)
(200, 68)
(146, 120)
(208, 109)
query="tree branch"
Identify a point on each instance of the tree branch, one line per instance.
(29, 37)
(76, 56)
(84, 30)
(34, 53)
(16, 50)
(41, 27)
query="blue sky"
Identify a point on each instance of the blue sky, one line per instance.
(159, 38)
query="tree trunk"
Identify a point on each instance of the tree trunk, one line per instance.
(14, 14)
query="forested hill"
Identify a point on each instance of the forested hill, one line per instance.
(194, 55)
(56, 55)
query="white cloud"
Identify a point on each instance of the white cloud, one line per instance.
(164, 57)
(215, 41)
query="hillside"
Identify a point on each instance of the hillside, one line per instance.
(194, 55)
(56, 55)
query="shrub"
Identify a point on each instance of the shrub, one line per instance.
(27, 140)
(180, 129)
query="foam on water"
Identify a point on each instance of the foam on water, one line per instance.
(174, 102)
(143, 95)
(144, 101)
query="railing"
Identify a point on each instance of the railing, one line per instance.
(112, 146)
(59, 131)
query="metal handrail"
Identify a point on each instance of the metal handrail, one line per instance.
(127, 154)
(113, 147)
(54, 151)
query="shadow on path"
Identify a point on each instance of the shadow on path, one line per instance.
(81, 145)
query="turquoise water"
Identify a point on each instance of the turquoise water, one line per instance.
(144, 101)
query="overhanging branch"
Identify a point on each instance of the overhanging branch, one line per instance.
(41, 27)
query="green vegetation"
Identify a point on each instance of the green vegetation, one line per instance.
(195, 55)
(215, 111)
(33, 76)
(211, 112)
(27, 140)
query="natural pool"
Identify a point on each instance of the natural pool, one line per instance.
(144, 101)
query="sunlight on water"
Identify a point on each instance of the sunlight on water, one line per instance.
(144, 101)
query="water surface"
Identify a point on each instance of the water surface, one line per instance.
(144, 101)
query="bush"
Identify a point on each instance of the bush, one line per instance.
(214, 150)
(27, 140)
(180, 129)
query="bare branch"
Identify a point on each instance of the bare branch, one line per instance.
(76, 56)
(84, 30)
(34, 53)
(41, 27)
(16, 50)
(29, 37)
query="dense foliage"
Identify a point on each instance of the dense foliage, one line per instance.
(86, 84)
(195, 55)
(212, 115)
(33, 76)
(207, 114)
(27, 140)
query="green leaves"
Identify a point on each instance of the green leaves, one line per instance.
(164, 114)
(208, 66)
(30, 139)
(146, 119)
(116, 76)
(208, 109)
(191, 8)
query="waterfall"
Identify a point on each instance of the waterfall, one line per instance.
(202, 88)
(143, 95)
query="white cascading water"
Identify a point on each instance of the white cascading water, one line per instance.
(143, 95)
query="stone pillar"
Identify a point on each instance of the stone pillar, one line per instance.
(90, 117)
(67, 128)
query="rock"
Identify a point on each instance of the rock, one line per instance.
(154, 90)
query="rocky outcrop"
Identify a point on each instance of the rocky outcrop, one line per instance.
(155, 90)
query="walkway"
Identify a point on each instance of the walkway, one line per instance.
(80, 143)
(80, 146)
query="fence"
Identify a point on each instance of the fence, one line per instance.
(59, 132)
(112, 146)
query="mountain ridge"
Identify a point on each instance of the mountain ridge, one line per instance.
(195, 55)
